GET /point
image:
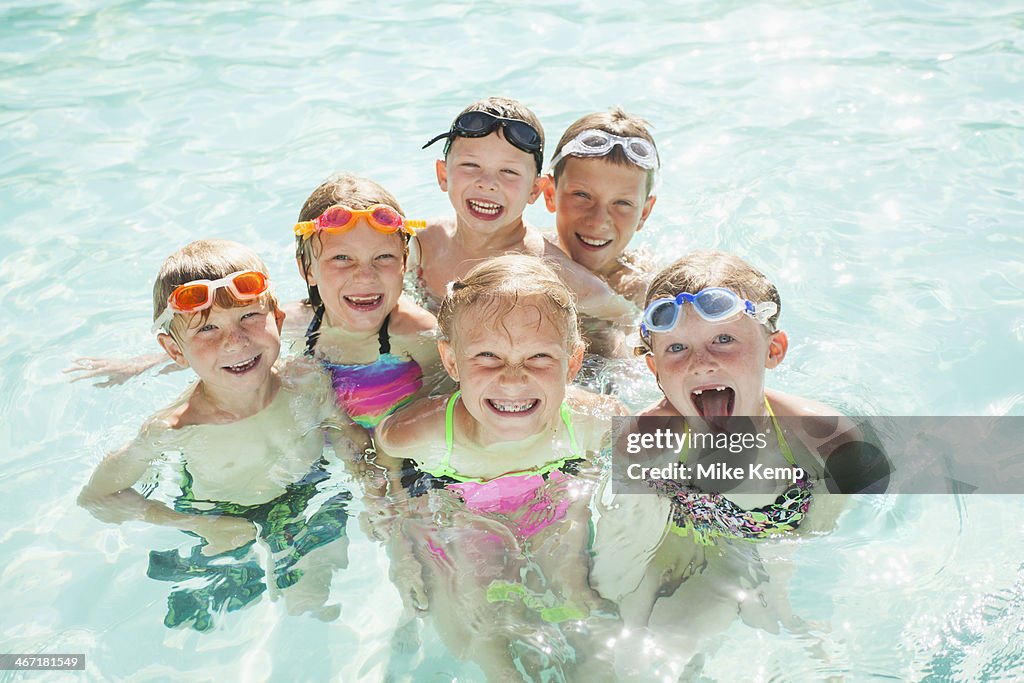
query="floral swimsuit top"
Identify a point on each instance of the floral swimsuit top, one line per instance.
(707, 516)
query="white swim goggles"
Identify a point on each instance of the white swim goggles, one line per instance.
(715, 304)
(597, 143)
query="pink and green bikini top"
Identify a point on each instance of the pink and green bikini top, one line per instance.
(370, 392)
(509, 492)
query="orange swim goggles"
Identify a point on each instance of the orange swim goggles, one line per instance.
(198, 295)
(339, 218)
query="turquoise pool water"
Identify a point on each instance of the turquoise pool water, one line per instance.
(867, 157)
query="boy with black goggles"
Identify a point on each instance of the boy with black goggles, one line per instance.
(477, 124)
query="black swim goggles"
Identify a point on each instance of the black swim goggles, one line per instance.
(477, 124)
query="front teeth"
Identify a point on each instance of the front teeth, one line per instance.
(513, 406)
(698, 392)
(592, 242)
(485, 207)
(245, 365)
(364, 300)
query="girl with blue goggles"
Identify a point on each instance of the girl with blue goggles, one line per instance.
(714, 304)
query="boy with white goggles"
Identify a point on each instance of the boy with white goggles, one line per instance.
(601, 190)
(595, 142)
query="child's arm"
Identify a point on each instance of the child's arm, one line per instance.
(117, 371)
(595, 297)
(109, 496)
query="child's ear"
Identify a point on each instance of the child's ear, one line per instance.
(575, 364)
(172, 349)
(652, 364)
(448, 359)
(537, 189)
(279, 318)
(442, 174)
(778, 344)
(648, 205)
(548, 188)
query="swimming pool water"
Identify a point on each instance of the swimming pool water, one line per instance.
(867, 156)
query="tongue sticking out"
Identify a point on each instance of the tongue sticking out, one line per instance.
(715, 405)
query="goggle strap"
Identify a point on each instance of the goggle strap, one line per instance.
(763, 311)
(446, 134)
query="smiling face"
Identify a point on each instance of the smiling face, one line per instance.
(599, 205)
(233, 349)
(488, 181)
(513, 364)
(714, 370)
(358, 274)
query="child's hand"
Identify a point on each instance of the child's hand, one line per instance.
(224, 533)
(115, 370)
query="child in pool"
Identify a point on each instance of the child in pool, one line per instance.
(507, 445)
(709, 334)
(493, 155)
(600, 189)
(248, 436)
(351, 244)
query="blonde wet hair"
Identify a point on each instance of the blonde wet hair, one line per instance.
(206, 260)
(504, 282)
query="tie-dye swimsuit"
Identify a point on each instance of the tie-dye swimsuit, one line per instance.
(370, 392)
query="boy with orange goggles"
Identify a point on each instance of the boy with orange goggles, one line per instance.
(198, 295)
(215, 314)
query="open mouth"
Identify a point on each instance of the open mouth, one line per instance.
(592, 243)
(245, 366)
(364, 303)
(483, 209)
(513, 408)
(715, 404)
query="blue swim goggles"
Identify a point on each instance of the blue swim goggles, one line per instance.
(595, 142)
(715, 304)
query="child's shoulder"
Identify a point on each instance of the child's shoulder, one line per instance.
(789, 405)
(409, 428)
(601, 405)
(409, 318)
(592, 415)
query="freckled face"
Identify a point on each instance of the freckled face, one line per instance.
(512, 366)
(599, 206)
(234, 348)
(713, 370)
(488, 181)
(359, 276)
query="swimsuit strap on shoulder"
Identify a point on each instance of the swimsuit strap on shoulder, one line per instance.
(567, 419)
(787, 452)
(313, 331)
(449, 427)
(383, 338)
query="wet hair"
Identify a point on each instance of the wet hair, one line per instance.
(506, 108)
(702, 269)
(351, 191)
(616, 122)
(205, 260)
(504, 282)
